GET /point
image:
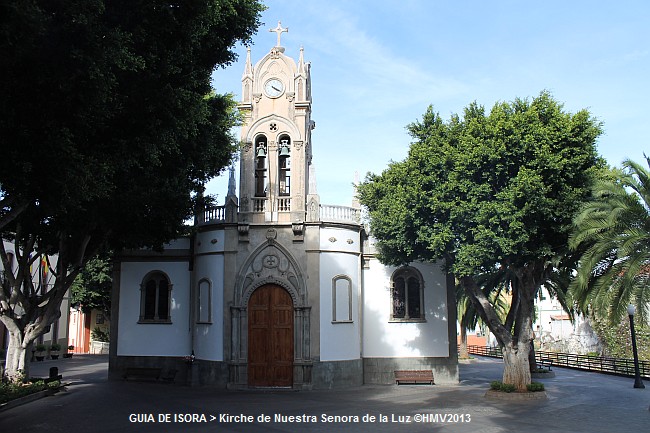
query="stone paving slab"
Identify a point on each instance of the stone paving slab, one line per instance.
(577, 402)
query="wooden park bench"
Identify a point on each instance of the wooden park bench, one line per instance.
(414, 376)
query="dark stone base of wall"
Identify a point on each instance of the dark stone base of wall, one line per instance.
(213, 373)
(200, 373)
(337, 374)
(171, 367)
(381, 370)
(324, 375)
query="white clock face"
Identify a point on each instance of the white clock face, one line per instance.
(273, 88)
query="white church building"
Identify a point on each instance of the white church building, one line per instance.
(274, 288)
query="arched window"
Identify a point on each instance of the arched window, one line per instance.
(284, 165)
(407, 300)
(155, 300)
(204, 307)
(261, 166)
(341, 299)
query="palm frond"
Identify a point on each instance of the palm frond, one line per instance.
(613, 230)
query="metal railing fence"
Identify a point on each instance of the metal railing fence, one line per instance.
(600, 364)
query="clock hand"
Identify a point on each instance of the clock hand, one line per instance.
(275, 88)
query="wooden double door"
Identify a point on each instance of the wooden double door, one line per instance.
(270, 337)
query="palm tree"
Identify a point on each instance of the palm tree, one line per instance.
(468, 316)
(467, 319)
(613, 230)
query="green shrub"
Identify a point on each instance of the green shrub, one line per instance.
(617, 342)
(40, 347)
(535, 387)
(11, 391)
(54, 384)
(55, 347)
(497, 385)
(99, 334)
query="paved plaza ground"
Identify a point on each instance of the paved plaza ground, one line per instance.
(577, 402)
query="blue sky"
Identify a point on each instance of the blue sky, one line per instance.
(377, 65)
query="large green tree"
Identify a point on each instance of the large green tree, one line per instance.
(91, 290)
(613, 231)
(108, 126)
(489, 192)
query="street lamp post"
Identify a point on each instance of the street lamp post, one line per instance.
(638, 383)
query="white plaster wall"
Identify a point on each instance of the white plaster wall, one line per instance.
(209, 242)
(382, 338)
(208, 338)
(339, 341)
(546, 308)
(339, 239)
(136, 339)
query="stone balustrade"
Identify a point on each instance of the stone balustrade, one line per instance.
(284, 204)
(340, 213)
(216, 214)
(213, 214)
(259, 204)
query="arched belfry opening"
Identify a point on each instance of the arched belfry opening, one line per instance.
(261, 172)
(270, 298)
(284, 166)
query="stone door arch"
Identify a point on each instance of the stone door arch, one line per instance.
(269, 265)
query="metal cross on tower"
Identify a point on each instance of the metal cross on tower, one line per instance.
(279, 30)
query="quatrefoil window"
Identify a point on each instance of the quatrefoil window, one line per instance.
(273, 127)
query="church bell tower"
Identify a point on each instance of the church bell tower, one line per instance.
(275, 137)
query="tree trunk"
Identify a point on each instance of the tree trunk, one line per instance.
(18, 356)
(464, 353)
(516, 370)
(532, 362)
(515, 342)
